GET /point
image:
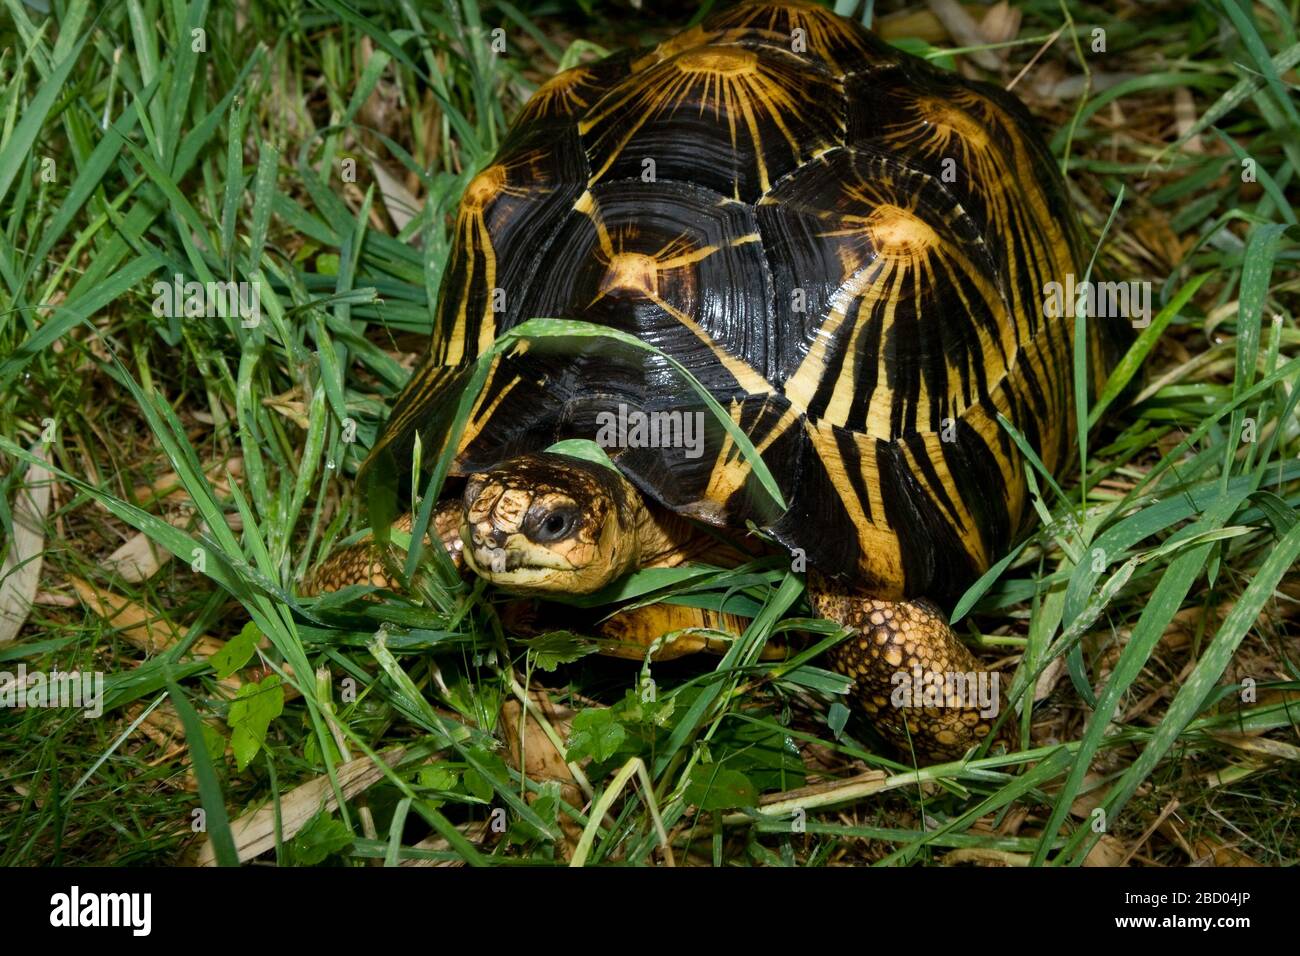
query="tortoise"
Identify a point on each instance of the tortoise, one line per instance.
(849, 250)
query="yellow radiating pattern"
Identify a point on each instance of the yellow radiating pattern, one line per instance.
(734, 85)
(731, 469)
(1003, 176)
(947, 492)
(481, 414)
(717, 62)
(992, 435)
(473, 246)
(899, 257)
(564, 94)
(881, 560)
(935, 321)
(819, 31)
(686, 40)
(642, 273)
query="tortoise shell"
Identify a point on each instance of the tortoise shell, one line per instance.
(847, 247)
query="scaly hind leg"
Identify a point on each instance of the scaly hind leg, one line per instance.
(922, 687)
(361, 563)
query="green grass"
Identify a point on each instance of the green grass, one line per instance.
(228, 163)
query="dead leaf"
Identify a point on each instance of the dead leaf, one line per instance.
(921, 24)
(1000, 25)
(168, 485)
(137, 623)
(961, 26)
(139, 558)
(1218, 853)
(401, 205)
(1184, 119)
(983, 857)
(21, 571)
(474, 832)
(1107, 851)
(1265, 746)
(530, 749)
(1090, 797)
(1048, 679)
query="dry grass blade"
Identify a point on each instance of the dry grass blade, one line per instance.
(254, 832)
(963, 28)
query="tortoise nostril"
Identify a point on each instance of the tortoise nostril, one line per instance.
(489, 538)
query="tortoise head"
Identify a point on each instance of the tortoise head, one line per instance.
(550, 524)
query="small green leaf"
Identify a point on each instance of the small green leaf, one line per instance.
(837, 717)
(237, 651)
(596, 733)
(547, 806)
(713, 787)
(437, 777)
(763, 750)
(251, 713)
(554, 648)
(647, 711)
(583, 448)
(323, 836)
(478, 786)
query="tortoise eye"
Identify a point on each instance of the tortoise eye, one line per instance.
(553, 526)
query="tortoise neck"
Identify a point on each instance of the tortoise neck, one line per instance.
(667, 539)
(664, 539)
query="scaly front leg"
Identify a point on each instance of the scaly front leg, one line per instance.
(361, 563)
(922, 687)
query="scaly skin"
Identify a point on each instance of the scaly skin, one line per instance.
(361, 563)
(897, 642)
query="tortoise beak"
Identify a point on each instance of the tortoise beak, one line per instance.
(495, 559)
